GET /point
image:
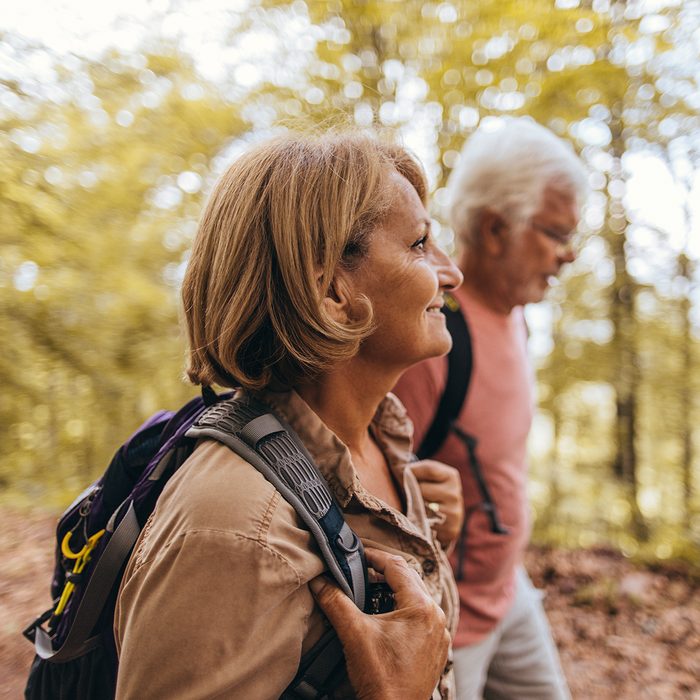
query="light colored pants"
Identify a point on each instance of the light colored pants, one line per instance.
(518, 660)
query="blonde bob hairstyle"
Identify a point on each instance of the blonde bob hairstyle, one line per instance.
(280, 222)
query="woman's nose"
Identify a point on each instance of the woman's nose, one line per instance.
(449, 275)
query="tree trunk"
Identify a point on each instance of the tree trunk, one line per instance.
(626, 379)
(686, 396)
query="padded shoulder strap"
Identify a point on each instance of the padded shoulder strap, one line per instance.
(273, 448)
(459, 371)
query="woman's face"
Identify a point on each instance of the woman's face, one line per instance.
(404, 276)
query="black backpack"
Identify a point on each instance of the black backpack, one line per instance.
(75, 651)
(459, 371)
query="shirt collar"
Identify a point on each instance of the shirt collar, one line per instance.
(390, 426)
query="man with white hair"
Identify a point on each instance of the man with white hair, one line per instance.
(514, 206)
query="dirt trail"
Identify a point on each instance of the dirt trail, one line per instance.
(624, 632)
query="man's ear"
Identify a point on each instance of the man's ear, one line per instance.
(493, 232)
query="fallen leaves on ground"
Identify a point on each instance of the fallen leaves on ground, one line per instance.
(624, 631)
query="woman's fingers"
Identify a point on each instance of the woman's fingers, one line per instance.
(428, 470)
(405, 582)
(400, 654)
(435, 492)
(441, 485)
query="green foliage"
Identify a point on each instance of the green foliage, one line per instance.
(101, 178)
(100, 190)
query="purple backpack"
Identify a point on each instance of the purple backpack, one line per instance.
(75, 651)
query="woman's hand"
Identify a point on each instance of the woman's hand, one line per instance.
(395, 656)
(441, 487)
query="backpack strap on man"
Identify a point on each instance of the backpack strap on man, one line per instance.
(487, 504)
(459, 372)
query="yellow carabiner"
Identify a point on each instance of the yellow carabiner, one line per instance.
(67, 552)
(82, 558)
(67, 590)
(93, 540)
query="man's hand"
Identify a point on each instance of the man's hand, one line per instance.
(441, 485)
(395, 656)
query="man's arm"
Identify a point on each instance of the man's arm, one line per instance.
(395, 656)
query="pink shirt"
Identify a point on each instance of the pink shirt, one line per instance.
(498, 412)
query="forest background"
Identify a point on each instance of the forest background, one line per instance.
(110, 144)
(107, 157)
(112, 134)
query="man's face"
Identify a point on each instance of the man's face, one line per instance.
(533, 256)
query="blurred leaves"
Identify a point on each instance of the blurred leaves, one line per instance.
(100, 191)
(105, 163)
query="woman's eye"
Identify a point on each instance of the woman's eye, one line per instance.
(420, 243)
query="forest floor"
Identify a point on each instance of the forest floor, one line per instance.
(623, 630)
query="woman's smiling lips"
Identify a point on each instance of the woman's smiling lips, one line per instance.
(436, 309)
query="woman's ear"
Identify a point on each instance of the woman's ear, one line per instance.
(338, 300)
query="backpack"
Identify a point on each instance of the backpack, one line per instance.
(74, 644)
(459, 371)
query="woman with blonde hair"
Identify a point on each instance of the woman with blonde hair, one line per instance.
(314, 282)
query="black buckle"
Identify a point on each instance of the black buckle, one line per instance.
(30, 632)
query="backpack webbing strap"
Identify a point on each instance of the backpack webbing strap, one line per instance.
(268, 445)
(487, 504)
(317, 667)
(459, 371)
(78, 642)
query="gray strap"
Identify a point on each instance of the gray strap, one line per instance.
(274, 448)
(305, 480)
(260, 427)
(96, 593)
(250, 455)
(350, 544)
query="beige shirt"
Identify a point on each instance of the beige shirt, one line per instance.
(215, 601)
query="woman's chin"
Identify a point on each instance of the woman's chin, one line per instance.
(443, 343)
(438, 347)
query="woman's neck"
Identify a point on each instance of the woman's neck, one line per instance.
(346, 400)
